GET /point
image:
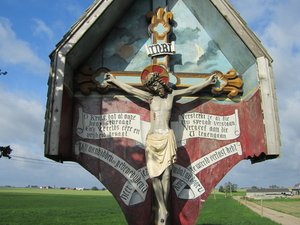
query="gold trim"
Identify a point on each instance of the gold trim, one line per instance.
(186, 97)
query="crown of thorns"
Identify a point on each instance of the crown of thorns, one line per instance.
(154, 77)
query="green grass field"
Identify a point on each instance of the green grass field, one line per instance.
(289, 206)
(53, 191)
(227, 211)
(35, 206)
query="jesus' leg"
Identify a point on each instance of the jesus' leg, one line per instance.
(161, 186)
(166, 183)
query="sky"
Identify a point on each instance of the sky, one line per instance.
(29, 31)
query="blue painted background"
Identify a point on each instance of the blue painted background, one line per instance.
(195, 26)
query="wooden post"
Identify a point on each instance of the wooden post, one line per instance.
(262, 207)
(215, 194)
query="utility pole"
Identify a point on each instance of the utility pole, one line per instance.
(262, 207)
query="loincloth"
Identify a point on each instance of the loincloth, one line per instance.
(160, 152)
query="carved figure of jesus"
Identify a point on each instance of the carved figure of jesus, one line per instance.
(161, 146)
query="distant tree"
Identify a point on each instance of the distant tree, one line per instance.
(254, 187)
(3, 73)
(273, 186)
(94, 188)
(5, 151)
(221, 189)
(230, 187)
(235, 187)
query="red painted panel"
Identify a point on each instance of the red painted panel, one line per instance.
(184, 211)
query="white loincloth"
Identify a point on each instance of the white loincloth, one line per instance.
(160, 152)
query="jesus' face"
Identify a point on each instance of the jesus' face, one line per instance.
(158, 88)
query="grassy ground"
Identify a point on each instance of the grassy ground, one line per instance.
(289, 206)
(36, 206)
(227, 211)
(53, 191)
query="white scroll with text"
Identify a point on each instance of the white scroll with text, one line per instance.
(160, 49)
(135, 189)
(192, 125)
(126, 125)
(129, 195)
(130, 125)
(186, 176)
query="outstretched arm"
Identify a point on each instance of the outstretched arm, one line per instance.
(128, 88)
(195, 88)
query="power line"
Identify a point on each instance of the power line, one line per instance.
(39, 161)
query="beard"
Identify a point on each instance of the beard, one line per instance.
(161, 92)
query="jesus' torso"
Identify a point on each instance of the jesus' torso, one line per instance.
(160, 113)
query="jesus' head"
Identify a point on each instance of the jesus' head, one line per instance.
(156, 84)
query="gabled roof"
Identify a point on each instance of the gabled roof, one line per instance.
(90, 29)
(88, 32)
(99, 18)
(297, 185)
(268, 190)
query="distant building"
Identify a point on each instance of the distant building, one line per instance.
(80, 189)
(68, 188)
(297, 185)
(296, 190)
(33, 186)
(45, 187)
(268, 193)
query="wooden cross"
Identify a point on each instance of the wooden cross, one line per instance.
(159, 31)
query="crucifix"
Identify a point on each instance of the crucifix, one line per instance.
(159, 31)
(160, 146)
(160, 141)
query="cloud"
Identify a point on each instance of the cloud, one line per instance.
(18, 52)
(282, 40)
(21, 120)
(20, 172)
(290, 116)
(272, 172)
(41, 29)
(275, 25)
(74, 8)
(256, 12)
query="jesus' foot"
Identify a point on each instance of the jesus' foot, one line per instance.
(162, 217)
